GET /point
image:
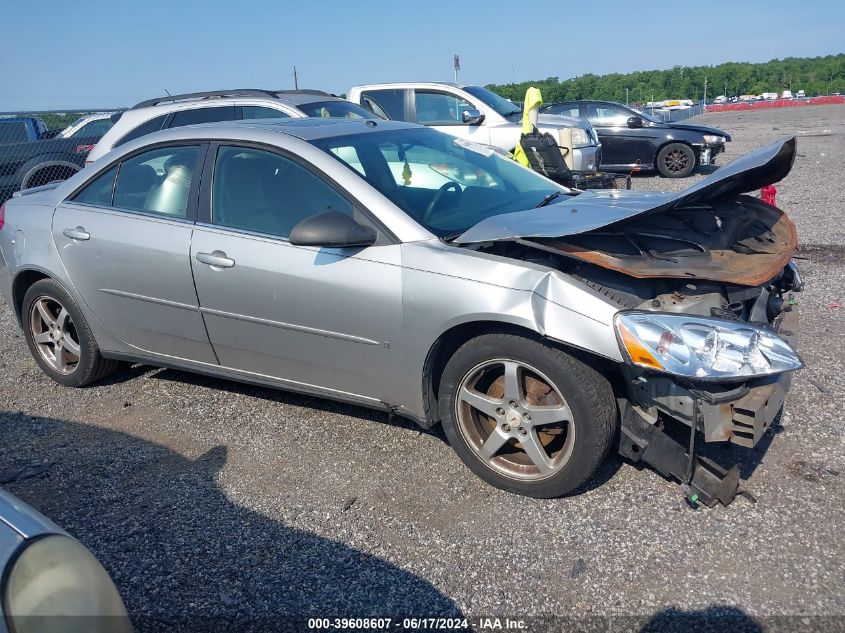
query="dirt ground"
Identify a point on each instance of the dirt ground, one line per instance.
(207, 499)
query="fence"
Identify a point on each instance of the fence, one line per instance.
(776, 103)
(680, 114)
(37, 148)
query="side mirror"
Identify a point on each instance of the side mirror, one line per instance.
(472, 117)
(331, 229)
(635, 121)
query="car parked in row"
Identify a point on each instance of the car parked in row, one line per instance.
(632, 139)
(476, 114)
(172, 111)
(49, 581)
(94, 124)
(529, 319)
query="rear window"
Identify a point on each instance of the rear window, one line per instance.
(203, 115)
(153, 125)
(259, 112)
(337, 110)
(13, 132)
(390, 101)
(94, 128)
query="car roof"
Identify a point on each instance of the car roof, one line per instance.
(229, 96)
(306, 129)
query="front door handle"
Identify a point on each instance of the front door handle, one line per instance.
(79, 233)
(215, 259)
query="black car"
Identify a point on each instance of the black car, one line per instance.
(631, 138)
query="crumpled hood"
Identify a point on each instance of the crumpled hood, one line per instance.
(595, 209)
(698, 128)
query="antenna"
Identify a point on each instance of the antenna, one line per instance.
(295, 79)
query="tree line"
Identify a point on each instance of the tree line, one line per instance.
(814, 75)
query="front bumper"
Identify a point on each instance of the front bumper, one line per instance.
(738, 413)
(587, 158)
(707, 153)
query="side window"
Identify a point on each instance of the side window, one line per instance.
(98, 191)
(157, 181)
(259, 112)
(566, 109)
(439, 108)
(607, 115)
(13, 132)
(148, 127)
(391, 102)
(94, 128)
(202, 115)
(263, 192)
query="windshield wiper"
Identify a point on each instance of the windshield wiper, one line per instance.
(547, 199)
(449, 238)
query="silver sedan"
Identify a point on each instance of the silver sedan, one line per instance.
(396, 267)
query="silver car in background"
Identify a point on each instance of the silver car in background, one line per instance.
(49, 581)
(533, 322)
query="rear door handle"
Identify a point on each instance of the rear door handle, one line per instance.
(79, 233)
(216, 259)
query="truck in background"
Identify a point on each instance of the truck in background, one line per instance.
(475, 114)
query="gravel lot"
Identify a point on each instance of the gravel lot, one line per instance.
(206, 498)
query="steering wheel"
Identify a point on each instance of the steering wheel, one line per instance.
(437, 196)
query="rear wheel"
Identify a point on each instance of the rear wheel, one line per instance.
(675, 160)
(59, 337)
(524, 416)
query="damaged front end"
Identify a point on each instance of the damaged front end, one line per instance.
(707, 322)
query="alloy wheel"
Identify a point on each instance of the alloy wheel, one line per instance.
(515, 419)
(55, 334)
(676, 161)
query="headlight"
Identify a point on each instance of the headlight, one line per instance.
(697, 347)
(580, 138)
(57, 585)
(712, 139)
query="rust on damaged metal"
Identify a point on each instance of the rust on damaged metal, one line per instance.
(742, 241)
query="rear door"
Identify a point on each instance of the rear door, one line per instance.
(125, 240)
(320, 317)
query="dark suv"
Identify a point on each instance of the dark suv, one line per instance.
(631, 138)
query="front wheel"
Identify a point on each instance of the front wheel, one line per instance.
(524, 416)
(676, 160)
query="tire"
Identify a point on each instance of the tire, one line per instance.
(676, 160)
(549, 384)
(65, 349)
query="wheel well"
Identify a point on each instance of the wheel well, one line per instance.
(680, 142)
(48, 173)
(449, 342)
(23, 282)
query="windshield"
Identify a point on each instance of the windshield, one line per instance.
(337, 110)
(446, 184)
(499, 104)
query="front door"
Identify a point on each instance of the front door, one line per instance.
(444, 111)
(321, 317)
(620, 145)
(125, 241)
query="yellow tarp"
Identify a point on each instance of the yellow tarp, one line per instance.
(533, 99)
